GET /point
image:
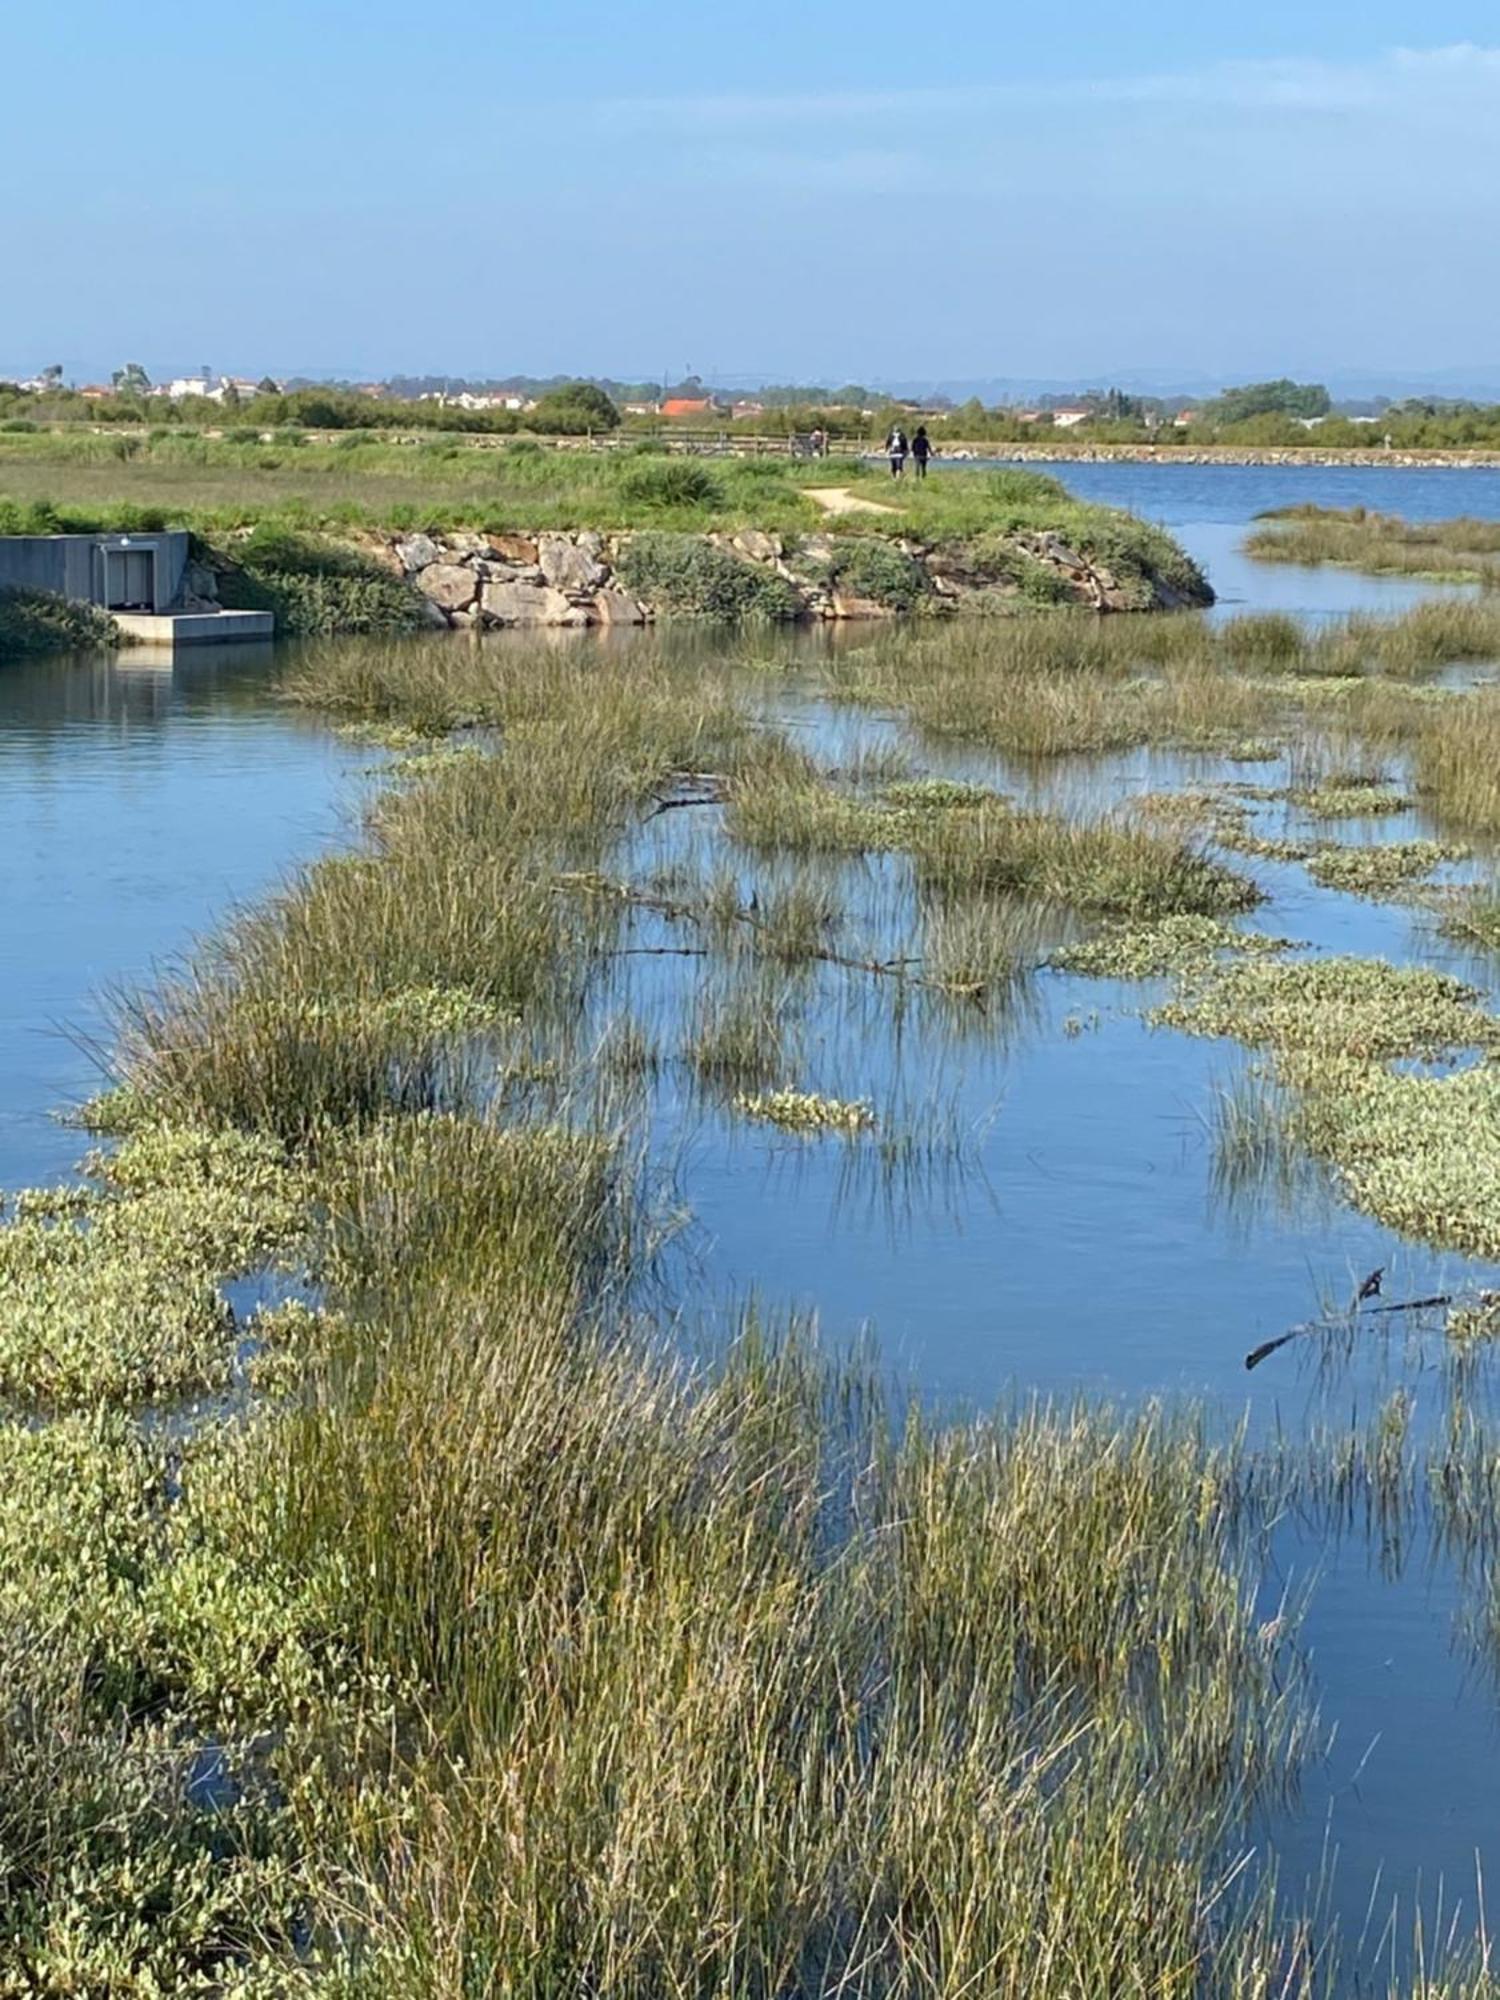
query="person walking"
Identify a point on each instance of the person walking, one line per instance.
(896, 449)
(921, 450)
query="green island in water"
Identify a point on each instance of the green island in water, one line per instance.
(464, 1616)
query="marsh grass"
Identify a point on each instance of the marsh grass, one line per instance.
(553, 1655)
(1465, 550)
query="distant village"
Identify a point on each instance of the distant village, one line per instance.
(691, 403)
(1280, 411)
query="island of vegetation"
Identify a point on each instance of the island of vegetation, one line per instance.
(366, 536)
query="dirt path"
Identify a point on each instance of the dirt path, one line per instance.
(839, 500)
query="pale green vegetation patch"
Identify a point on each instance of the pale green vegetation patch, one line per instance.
(1360, 1007)
(1350, 797)
(1479, 1321)
(1384, 870)
(1151, 950)
(120, 1298)
(803, 1111)
(1422, 1153)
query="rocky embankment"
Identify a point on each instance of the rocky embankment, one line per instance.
(585, 577)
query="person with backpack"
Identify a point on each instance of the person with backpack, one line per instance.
(896, 449)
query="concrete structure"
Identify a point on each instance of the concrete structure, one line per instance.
(139, 579)
(194, 628)
(117, 572)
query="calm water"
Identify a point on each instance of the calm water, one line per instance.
(1084, 1243)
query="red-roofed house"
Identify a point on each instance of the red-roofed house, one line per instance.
(690, 406)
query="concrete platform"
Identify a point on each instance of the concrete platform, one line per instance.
(194, 628)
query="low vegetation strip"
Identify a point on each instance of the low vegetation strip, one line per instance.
(1459, 550)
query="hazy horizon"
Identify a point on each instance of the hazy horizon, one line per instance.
(798, 199)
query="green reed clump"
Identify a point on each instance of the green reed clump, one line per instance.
(1474, 918)
(737, 1043)
(1456, 759)
(989, 847)
(1101, 867)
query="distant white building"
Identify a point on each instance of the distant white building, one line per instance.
(469, 399)
(1064, 420)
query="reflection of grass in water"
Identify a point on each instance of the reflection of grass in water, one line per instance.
(1258, 1153)
(737, 1042)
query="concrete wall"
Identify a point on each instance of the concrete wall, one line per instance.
(70, 566)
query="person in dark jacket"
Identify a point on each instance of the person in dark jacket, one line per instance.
(921, 450)
(896, 450)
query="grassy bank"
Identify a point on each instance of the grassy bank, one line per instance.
(214, 485)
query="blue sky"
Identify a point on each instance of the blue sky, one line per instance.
(815, 190)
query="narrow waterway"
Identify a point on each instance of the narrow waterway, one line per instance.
(1072, 1230)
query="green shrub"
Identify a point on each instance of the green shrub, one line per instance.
(671, 482)
(36, 621)
(29, 517)
(313, 588)
(1026, 489)
(870, 567)
(684, 573)
(1139, 552)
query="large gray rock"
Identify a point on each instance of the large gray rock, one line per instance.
(844, 604)
(448, 584)
(530, 604)
(757, 544)
(613, 607)
(417, 551)
(434, 615)
(571, 563)
(514, 548)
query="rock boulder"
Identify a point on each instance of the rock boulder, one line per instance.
(571, 563)
(448, 584)
(530, 604)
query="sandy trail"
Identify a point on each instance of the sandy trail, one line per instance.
(839, 500)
